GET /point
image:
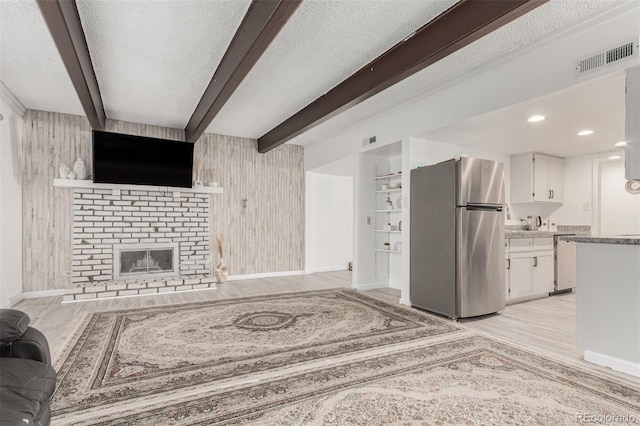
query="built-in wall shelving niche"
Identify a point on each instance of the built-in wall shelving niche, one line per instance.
(392, 175)
(389, 190)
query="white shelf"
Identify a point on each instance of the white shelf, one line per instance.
(388, 176)
(388, 232)
(388, 190)
(388, 251)
(387, 211)
(74, 183)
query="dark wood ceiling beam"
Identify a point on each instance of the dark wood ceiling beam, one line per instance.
(63, 21)
(263, 21)
(459, 26)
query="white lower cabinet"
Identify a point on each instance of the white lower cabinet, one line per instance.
(542, 280)
(520, 275)
(529, 267)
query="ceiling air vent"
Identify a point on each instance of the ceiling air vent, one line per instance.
(611, 56)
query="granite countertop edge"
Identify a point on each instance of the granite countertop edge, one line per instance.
(539, 234)
(628, 240)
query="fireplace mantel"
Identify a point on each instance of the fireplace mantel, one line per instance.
(75, 183)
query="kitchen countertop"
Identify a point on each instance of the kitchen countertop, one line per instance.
(614, 239)
(517, 232)
(529, 234)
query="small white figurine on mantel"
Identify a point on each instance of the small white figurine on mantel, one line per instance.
(80, 170)
(64, 171)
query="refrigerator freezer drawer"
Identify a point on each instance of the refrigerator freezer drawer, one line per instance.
(480, 262)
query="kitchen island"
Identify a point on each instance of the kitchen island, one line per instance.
(608, 301)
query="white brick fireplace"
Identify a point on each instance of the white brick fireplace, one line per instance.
(102, 220)
(129, 241)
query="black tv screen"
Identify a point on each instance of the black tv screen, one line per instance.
(127, 159)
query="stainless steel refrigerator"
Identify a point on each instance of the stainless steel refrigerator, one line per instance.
(457, 238)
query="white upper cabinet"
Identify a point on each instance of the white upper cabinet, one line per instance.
(536, 178)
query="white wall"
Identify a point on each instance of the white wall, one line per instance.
(329, 222)
(577, 182)
(619, 210)
(10, 201)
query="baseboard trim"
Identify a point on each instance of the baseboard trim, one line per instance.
(405, 302)
(44, 293)
(327, 269)
(264, 275)
(370, 286)
(616, 364)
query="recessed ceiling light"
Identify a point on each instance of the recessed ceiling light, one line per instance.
(615, 157)
(620, 144)
(585, 132)
(536, 118)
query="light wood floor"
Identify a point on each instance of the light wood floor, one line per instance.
(546, 326)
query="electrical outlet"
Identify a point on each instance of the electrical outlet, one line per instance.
(586, 206)
(368, 220)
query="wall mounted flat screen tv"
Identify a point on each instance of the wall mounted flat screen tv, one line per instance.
(128, 159)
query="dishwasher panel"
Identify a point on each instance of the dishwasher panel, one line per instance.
(565, 270)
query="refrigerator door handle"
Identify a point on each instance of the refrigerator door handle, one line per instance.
(485, 207)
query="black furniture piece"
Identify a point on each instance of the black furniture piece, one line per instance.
(27, 379)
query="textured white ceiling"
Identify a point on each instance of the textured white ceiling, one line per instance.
(536, 24)
(323, 43)
(154, 59)
(597, 105)
(29, 62)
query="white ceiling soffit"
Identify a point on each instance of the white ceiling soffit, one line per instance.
(532, 26)
(323, 43)
(154, 59)
(30, 65)
(342, 167)
(597, 105)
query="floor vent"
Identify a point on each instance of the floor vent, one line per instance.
(611, 56)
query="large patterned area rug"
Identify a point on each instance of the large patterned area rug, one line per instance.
(330, 357)
(128, 354)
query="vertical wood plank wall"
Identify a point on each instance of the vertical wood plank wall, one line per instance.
(266, 236)
(265, 233)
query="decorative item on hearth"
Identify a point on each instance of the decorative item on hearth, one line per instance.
(80, 169)
(64, 171)
(199, 163)
(222, 271)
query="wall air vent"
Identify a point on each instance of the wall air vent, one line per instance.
(611, 56)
